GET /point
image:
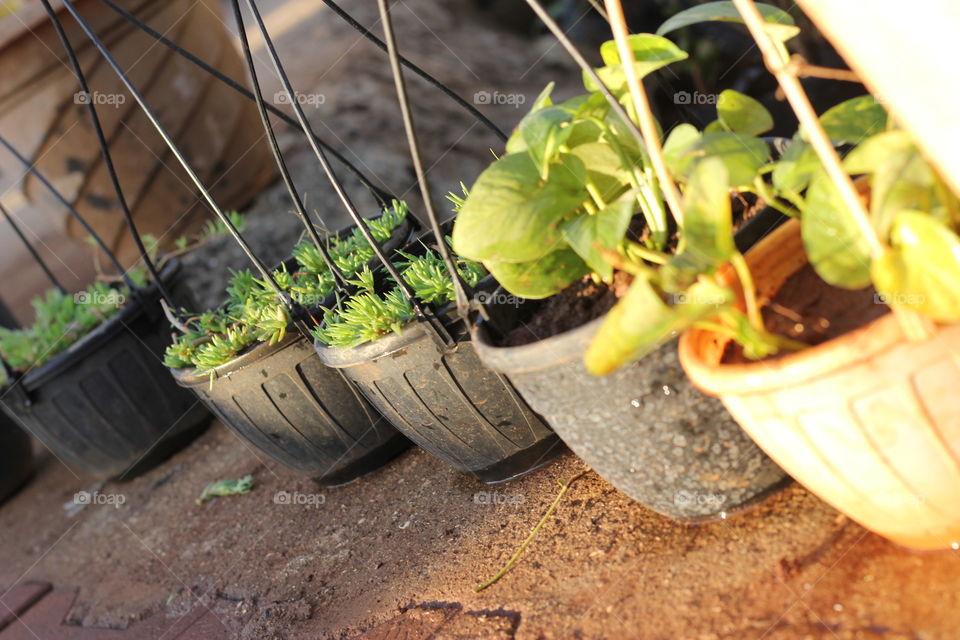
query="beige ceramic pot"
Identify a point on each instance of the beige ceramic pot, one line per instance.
(869, 421)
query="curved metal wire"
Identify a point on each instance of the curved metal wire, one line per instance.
(461, 289)
(339, 279)
(33, 252)
(73, 211)
(282, 295)
(422, 313)
(107, 158)
(382, 197)
(366, 33)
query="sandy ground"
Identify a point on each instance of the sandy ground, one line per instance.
(397, 554)
(409, 543)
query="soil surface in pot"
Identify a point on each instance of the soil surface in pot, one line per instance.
(809, 310)
(585, 300)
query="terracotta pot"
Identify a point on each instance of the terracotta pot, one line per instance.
(869, 421)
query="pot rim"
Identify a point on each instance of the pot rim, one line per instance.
(789, 370)
(102, 333)
(190, 376)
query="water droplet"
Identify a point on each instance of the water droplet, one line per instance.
(723, 515)
(838, 607)
(668, 390)
(955, 545)
(636, 403)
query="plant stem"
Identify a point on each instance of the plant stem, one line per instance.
(749, 290)
(641, 103)
(564, 488)
(778, 62)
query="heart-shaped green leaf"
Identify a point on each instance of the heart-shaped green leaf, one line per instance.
(681, 138)
(779, 22)
(650, 52)
(921, 271)
(707, 218)
(539, 278)
(641, 321)
(832, 239)
(741, 155)
(795, 167)
(512, 215)
(516, 143)
(589, 235)
(742, 114)
(854, 120)
(544, 132)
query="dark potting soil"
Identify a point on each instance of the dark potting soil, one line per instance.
(573, 307)
(809, 310)
(585, 300)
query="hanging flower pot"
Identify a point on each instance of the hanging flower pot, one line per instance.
(440, 395)
(16, 458)
(277, 394)
(106, 404)
(645, 428)
(867, 421)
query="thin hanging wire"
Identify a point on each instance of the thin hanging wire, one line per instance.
(33, 252)
(571, 49)
(460, 287)
(382, 197)
(339, 279)
(284, 298)
(366, 33)
(418, 308)
(73, 212)
(107, 158)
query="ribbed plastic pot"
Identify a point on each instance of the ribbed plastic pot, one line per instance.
(282, 400)
(645, 428)
(449, 403)
(16, 458)
(107, 404)
(868, 421)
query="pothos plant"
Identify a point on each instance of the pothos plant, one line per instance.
(373, 312)
(252, 312)
(558, 205)
(61, 319)
(912, 212)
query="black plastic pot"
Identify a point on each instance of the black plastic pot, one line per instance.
(286, 403)
(448, 402)
(16, 458)
(107, 404)
(645, 429)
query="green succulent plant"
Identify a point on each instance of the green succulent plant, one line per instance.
(253, 314)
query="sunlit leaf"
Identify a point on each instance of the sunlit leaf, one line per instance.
(832, 239)
(741, 155)
(921, 271)
(742, 114)
(779, 23)
(641, 321)
(539, 278)
(852, 121)
(651, 52)
(590, 235)
(512, 215)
